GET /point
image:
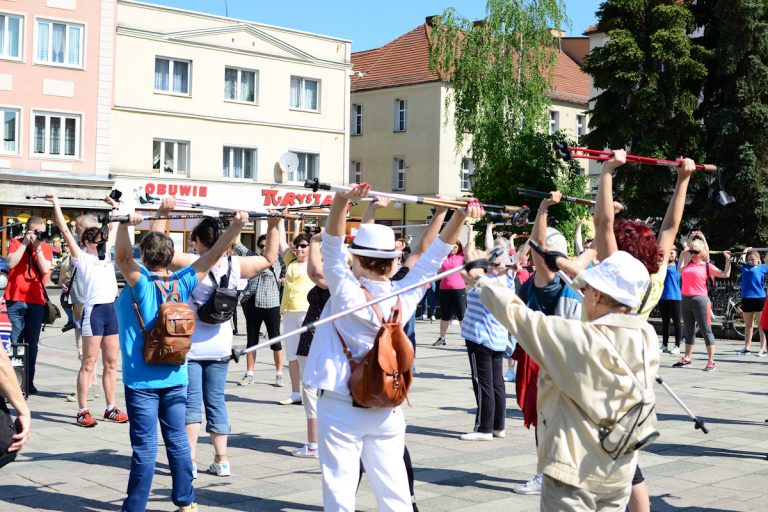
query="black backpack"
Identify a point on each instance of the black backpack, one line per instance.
(221, 305)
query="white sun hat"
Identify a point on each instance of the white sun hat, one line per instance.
(619, 276)
(375, 241)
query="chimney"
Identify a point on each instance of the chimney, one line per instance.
(430, 20)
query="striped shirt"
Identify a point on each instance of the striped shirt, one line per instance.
(479, 326)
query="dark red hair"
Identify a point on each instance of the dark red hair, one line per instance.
(639, 240)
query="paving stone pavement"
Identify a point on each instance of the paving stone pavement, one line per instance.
(69, 468)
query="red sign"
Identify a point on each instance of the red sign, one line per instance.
(272, 198)
(162, 189)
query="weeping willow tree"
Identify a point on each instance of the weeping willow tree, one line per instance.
(501, 70)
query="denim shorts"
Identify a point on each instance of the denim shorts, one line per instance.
(207, 380)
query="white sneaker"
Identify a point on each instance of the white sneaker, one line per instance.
(510, 375)
(454, 321)
(247, 380)
(476, 436)
(762, 353)
(423, 317)
(295, 398)
(432, 318)
(220, 468)
(675, 350)
(500, 433)
(279, 380)
(532, 486)
(305, 452)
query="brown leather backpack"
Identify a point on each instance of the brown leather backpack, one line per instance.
(383, 375)
(171, 337)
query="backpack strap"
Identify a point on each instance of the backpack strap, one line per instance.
(173, 295)
(645, 298)
(136, 310)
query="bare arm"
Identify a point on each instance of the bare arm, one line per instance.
(283, 246)
(9, 387)
(722, 274)
(315, 262)
(452, 230)
(337, 217)
(369, 217)
(204, 264)
(573, 267)
(74, 248)
(15, 257)
(254, 265)
(180, 259)
(543, 275)
(578, 244)
(489, 236)
(124, 251)
(671, 223)
(605, 240)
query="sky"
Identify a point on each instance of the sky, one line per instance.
(367, 23)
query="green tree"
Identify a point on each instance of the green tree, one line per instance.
(650, 73)
(501, 71)
(735, 113)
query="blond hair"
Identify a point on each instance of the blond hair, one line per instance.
(698, 245)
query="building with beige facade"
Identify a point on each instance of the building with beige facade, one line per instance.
(403, 139)
(205, 107)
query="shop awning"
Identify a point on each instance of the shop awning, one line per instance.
(15, 186)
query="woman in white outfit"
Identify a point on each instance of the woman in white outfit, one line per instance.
(212, 342)
(99, 321)
(348, 432)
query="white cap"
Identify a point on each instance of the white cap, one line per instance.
(619, 276)
(375, 241)
(556, 241)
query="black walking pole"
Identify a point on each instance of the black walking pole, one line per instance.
(237, 354)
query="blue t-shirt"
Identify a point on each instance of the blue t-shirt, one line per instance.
(136, 373)
(671, 284)
(752, 280)
(479, 325)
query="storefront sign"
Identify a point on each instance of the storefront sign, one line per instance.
(163, 189)
(273, 197)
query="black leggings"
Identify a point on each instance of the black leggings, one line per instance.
(408, 470)
(671, 310)
(253, 319)
(452, 302)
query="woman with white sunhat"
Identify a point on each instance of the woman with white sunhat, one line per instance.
(348, 432)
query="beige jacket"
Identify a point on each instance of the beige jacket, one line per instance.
(581, 384)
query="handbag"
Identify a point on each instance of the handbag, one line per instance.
(384, 374)
(51, 312)
(8, 427)
(221, 305)
(66, 299)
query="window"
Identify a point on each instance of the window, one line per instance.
(240, 85)
(59, 43)
(309, 164)
(239, 163)
(172, 75)
(467, 169)
(174, 156)
(10, 118)
(357, 119)
(10, 36)
(401, 115)
(398, 174)
(554, 121)
(56, 135)
(581, 126)
(305, 93)
(356, 171)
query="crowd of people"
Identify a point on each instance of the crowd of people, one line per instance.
(573, 331)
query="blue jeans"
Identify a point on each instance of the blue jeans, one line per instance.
(26, 322)
(144, 407)
(429, 302)
(206, 386)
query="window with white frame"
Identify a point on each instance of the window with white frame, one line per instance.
(56, 135)
(356, 171)
(170, 157)
(398, 173)
(581, 126)
(241, 85)
(401, 115)
(10, 36)
(305, 93)
(467, 169)
(10, 119)
(309, 166)
(59, 43)
(239, 163)
(554, 121)
(172, 75)
(357, 119)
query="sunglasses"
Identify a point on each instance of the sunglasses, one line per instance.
(694, 252)
(301, 246)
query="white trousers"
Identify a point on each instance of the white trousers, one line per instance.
(347, 434)
(292, 320)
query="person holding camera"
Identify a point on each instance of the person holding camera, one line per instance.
(30, 261)
(212, 338)
(99, 320)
